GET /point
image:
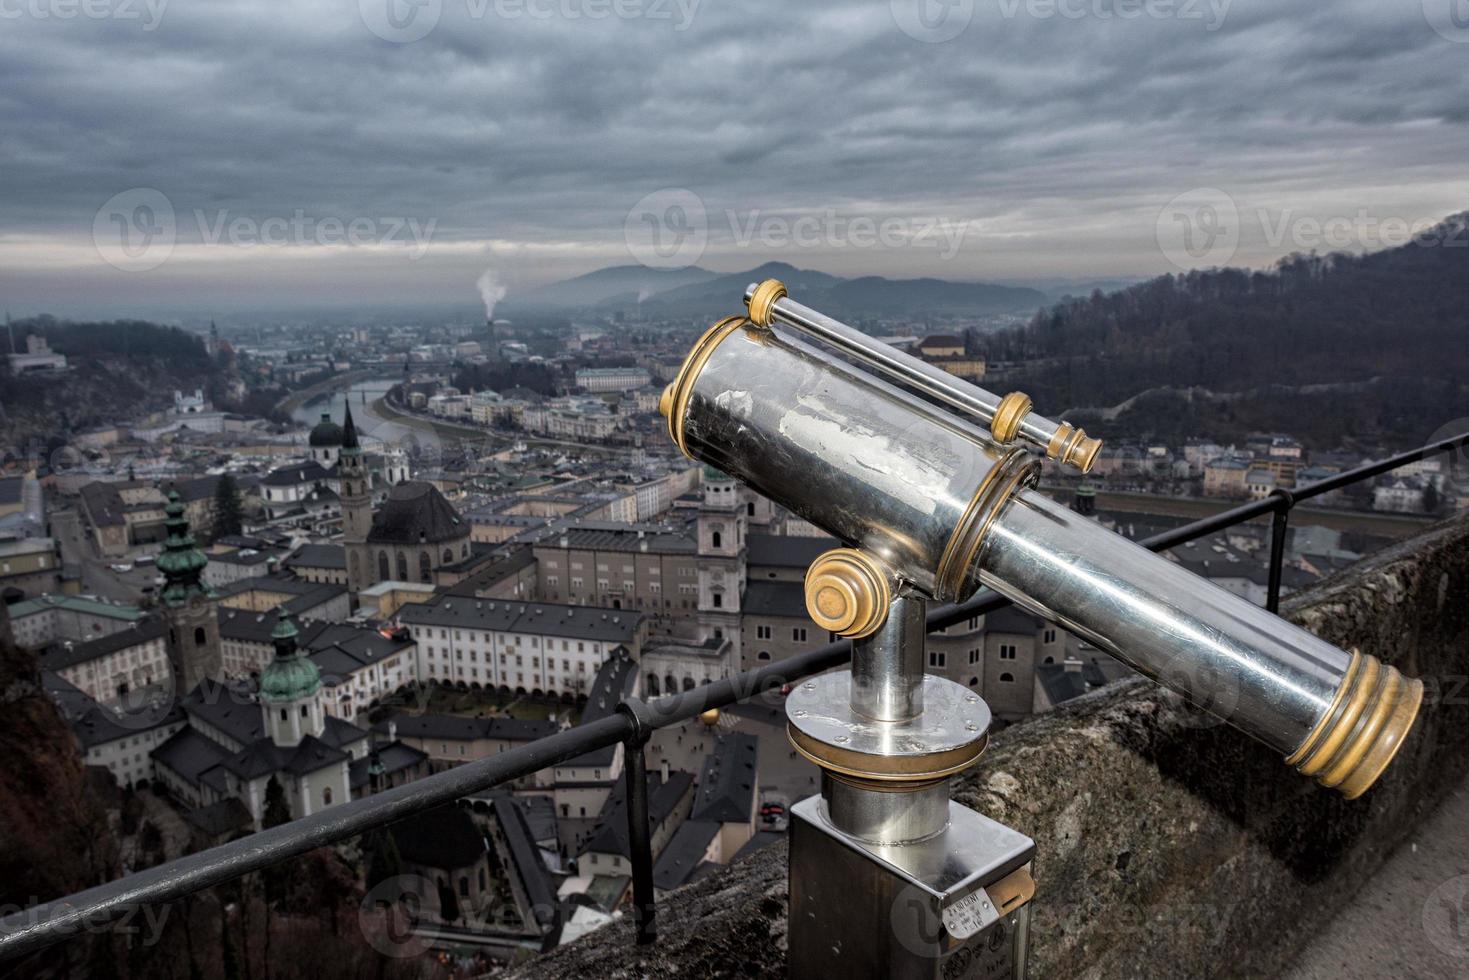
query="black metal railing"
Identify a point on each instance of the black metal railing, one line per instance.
(632, 725)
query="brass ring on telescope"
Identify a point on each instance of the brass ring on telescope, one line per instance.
(1362, 729)
(956, 566)
(763, 298)
(1011, 411)
(674, 401)
(887, 768)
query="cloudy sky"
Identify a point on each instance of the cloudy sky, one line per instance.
(190, 155)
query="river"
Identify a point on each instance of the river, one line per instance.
(362, 395)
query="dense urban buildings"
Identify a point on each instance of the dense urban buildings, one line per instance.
(246, 622)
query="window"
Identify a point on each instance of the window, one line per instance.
(425, 564)
(718, 600)
(448, 556)
(1007, 651)
(763, 655)
(974, 655)
(1007, 678)
(798, 633)
(937, 658)
(1049, 636)
(199, 638)
(762, 632)
(326, 796)
(384, 571)
(402, 567)
(716, 539)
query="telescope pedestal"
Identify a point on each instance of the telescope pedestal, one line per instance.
(952, 906)
(888, 876)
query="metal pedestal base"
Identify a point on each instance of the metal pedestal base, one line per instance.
(952, 906)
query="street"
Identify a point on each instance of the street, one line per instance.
(98, 578)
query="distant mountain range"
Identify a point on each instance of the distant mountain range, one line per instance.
(699, 292)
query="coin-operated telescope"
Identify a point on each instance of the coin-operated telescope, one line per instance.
(929, 483)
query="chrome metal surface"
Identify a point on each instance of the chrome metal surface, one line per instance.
(874, 465)
(934, 382)
(881, 816)
(887, 667)
(1266, 677)
(945, 507)
(861, 910)
(953, 719)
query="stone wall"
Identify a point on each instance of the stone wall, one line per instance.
(1168, 844)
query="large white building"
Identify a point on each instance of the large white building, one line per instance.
(120, 669)
(612, 379)
(537, 648)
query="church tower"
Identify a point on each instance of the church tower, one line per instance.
(290, 688)
(721, 559)
(188, 605)
(356, 497)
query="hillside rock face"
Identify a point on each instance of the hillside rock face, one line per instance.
(54, 833)
(1168, 844)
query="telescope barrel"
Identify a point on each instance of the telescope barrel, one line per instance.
(871, 464)
(947, 509)
(1008, 418)
(1266, 677)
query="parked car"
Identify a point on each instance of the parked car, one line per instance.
(121, 566)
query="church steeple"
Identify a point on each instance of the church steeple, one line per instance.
(188, 604)
(355, 492)
(349, 432)
(182, 563)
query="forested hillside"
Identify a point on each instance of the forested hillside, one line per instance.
(117, 371)
(1330, 348)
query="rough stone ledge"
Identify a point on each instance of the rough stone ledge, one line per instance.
(1169, 845)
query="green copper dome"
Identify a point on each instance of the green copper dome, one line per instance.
(712, 475)
(290, 676)
(182, 563)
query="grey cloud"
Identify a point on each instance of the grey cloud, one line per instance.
(1066, 135)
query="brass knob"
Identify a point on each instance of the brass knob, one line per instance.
(710, 718)
(1011, 411)
(763, 298)
(847, 593)
(1072, 445)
